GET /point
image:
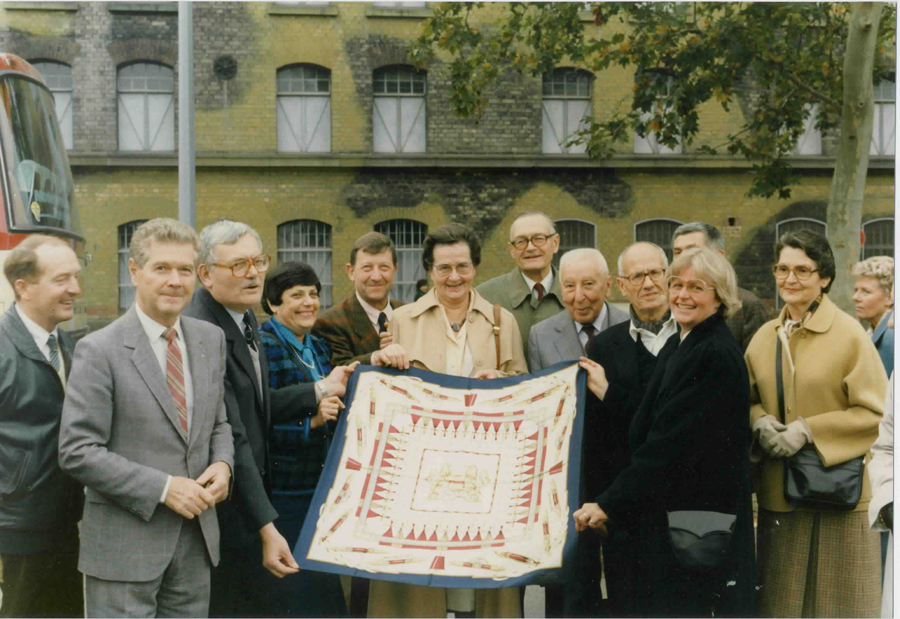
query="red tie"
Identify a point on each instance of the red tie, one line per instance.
(539, 288)
(591, 332)
(175, 376)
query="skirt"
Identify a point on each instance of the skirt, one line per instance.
(818, 564)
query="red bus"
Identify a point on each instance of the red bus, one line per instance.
(37, 193)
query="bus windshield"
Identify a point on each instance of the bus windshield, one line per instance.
(39, 188)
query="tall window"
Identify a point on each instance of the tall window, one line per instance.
(399, 110)
(146, 107)
(574, 234)
(303, 109)
(657, 231)
(126, 289)
(792, 225)
(59, 79)
(309, 241)
(650, 143)
(810, 141)
(566, 107)
(883, 127)
(408, 236)
(879, 238)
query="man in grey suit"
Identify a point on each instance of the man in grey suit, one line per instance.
(585, 282)
(144, 429)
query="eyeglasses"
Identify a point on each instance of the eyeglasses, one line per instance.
(538, 240)
(242, 267)
(637, 279)
(444, 270)
(803, 273)
(694, 287)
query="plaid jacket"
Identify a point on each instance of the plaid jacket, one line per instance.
(349, 332)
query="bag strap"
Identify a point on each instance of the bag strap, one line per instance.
(779, 379)
(497, 331)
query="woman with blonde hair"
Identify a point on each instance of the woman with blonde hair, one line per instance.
(689, 469)
(873, 296)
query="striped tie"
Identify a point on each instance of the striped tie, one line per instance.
(175, 376)
(54, 352)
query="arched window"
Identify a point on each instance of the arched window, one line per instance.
(574, 234)
(658, 232)
(126, 288)
(566, 106)
(883, 127)
(309, 241)
(879, 238)
(59, 79)
(146, 93)
(398, 110)
(792, 225)
(408, 236)
(649, 144)
(303, 112)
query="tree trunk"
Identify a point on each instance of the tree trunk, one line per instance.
(848, 184)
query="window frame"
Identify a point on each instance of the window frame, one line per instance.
(563, 249)
(881, 145)
(653, 147)
(862, 250)
(145, 139)
(667, 245)
(401, 145)
(567, 130)
(323, 122)
(405, 289)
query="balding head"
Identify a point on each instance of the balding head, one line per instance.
(645, 263)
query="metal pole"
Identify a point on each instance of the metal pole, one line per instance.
(187, 188)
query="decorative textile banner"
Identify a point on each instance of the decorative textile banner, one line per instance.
(449, 482)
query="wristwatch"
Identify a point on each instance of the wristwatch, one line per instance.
(322, 389)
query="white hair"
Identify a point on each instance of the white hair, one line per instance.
(662, 255)
(224, 232)
(584, 253)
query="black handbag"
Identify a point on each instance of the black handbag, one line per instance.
(700, 539)
(808, 482)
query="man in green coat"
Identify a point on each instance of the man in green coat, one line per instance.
(531, 290)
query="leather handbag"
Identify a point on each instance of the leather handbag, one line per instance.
(808, 482)
(700, 539)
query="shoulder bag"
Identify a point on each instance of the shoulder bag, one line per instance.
(808, 482)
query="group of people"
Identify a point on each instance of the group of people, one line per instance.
(187, 439)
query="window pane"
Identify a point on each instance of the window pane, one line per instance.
(408, 236)
(131, 122)
(309, 241)
(161, 122)
(574, 234)
(810, 142)
(412, 125)
(879, 238)
(657, 231)
(385, 124)
(553, 126)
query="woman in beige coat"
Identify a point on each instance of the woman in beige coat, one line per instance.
(450, 330)
(813, 563)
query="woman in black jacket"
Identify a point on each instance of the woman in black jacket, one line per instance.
(689, 465)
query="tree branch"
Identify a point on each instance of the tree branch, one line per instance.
(797, 82)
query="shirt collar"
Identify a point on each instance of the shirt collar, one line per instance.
(237, 317)
(598, 324)
(39, 333)
(372, 313)
(153, 329)
(669, 327)
(546, 282)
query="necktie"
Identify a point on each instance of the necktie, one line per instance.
(382, 322)
(54, 352)
(248, 333)
(175, 376)
(539, 289)
(591, 332)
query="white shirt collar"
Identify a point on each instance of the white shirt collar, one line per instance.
(372, 313)
(39, 333)
(546, 282)
(153, 329)
(653, 341)
(237, 317)
(598, 324)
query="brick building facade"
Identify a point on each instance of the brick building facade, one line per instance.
(311, 128)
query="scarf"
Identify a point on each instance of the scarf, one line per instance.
(303, 349)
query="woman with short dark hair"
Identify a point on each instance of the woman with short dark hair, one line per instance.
(813, 562)
(297, 452)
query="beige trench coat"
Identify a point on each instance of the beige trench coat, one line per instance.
(833, 378)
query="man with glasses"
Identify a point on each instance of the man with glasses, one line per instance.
(627, 353)
(232, 267)
(753, 313)
(531, 291)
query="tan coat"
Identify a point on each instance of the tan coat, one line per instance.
(420, 327)
(836, 382)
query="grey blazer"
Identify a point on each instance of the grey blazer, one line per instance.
(556, 339)
(120, 436)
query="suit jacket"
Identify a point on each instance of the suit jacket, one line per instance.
(556, 339)
(513, 294)
(251, 416)
(40, 505)
(348, 332)
(121, 437)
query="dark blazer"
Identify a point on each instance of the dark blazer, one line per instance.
(251, 417)
(689, 443)
(39, 504)
(349, 332)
